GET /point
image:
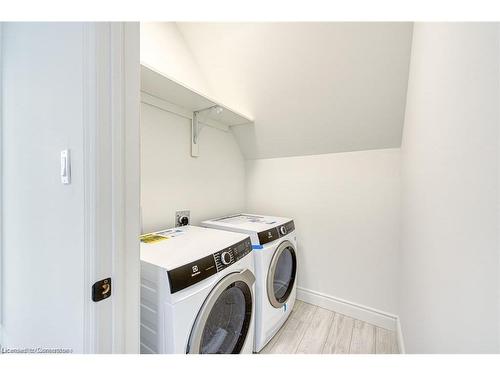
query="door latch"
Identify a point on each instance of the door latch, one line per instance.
(101, 290)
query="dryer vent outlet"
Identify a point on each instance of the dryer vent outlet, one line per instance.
(182, 218)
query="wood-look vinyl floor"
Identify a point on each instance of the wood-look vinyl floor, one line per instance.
(313, 330)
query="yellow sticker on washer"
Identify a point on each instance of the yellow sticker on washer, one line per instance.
(152, 238)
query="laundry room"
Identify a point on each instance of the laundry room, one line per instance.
(263, 119)
(344, 202)
(265, 188)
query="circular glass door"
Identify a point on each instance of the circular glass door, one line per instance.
(281, 275)
(223, 323)
(227, 324)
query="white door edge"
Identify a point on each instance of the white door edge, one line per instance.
(89, 142)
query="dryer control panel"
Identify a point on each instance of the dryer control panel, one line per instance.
(201, 269)
(276, 232)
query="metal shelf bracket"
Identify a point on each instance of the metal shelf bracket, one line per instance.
(197, 126)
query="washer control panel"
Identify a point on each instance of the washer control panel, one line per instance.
(232, 254)
(201, 269)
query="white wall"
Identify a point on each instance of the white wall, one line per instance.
(450, 261)
(346, 209)
(210, 185)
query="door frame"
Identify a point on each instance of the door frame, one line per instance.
(111, 139)
(112, 184)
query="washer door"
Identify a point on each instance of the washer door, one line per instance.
(281, 274)
(224, 320)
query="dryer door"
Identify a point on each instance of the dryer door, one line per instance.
(223, 323)
(281, 274)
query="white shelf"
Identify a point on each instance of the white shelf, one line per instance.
(157, 84)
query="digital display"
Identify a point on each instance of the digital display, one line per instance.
(290, 226)
(240, 248)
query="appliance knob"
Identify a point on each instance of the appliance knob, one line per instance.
(183, 221)
(283, 230)
(225, 258)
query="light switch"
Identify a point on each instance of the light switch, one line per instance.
(65, 167)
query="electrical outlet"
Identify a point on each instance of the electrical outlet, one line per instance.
(182, 218)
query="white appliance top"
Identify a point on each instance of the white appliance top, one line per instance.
(172, 248)
(247, 222)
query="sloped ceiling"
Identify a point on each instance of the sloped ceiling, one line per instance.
(312, 88)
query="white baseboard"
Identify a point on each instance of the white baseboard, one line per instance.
(399, 337)
(355, 310)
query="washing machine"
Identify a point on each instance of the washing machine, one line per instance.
(197, 291)
(274, 244)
